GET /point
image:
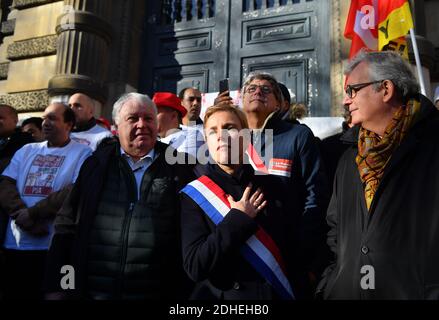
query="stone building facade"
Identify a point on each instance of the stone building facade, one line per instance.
(50, 49)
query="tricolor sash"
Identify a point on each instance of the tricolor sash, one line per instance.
(259, 250)
(255, 160)
(277, 166)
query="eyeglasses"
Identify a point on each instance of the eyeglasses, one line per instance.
(352, 89)
(264, 89)
(192, 99)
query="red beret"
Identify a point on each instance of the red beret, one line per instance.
(168, 99)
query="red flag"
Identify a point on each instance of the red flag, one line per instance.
(361, 25)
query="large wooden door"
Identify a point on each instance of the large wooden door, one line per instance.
(185, 44)
(199, 42)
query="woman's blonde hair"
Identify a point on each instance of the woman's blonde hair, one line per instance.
(225, 107)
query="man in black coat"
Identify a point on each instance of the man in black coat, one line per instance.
(11, 138)
(119, 228)
(384, 211)
(332, 148)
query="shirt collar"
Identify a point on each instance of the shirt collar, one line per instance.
(149, 155)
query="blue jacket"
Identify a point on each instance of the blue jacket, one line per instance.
(298, 190)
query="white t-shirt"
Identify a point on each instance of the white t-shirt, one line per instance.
(39, 171)
(91, 137)
(188, 139)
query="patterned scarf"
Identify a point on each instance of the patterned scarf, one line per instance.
(374, 152)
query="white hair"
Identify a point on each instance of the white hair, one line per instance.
(141, 98)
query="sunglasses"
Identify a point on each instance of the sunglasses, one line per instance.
(264, 89)
(352, 89)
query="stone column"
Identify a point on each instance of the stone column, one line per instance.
(84, 37)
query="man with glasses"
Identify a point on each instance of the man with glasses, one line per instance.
(296, 185)
(384, 209)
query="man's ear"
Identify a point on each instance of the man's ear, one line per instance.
(389, 90)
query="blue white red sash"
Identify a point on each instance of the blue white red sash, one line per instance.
(259, 250)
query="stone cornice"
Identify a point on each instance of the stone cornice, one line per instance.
(31, 48)
(29, 101)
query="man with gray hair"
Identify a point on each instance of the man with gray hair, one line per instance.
(86, 130)
(384, 209)
(119, 227)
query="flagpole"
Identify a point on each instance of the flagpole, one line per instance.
(418, 61)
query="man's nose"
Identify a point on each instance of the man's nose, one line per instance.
(259, 90)
(141, 123)
(347, 100)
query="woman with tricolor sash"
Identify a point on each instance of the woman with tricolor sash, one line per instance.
(226, 249)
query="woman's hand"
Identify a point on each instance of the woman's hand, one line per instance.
(251, 205)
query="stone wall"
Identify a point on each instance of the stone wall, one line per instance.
(51, 49)
(28, 53)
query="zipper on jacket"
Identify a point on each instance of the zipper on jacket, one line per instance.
(125, 234)
(131, 181)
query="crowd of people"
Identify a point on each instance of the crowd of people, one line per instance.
(254, 208)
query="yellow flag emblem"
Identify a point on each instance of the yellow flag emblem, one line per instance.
(393, 29)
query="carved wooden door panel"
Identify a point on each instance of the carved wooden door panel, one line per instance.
(199, 42)
(289, 39)
(185, 44)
